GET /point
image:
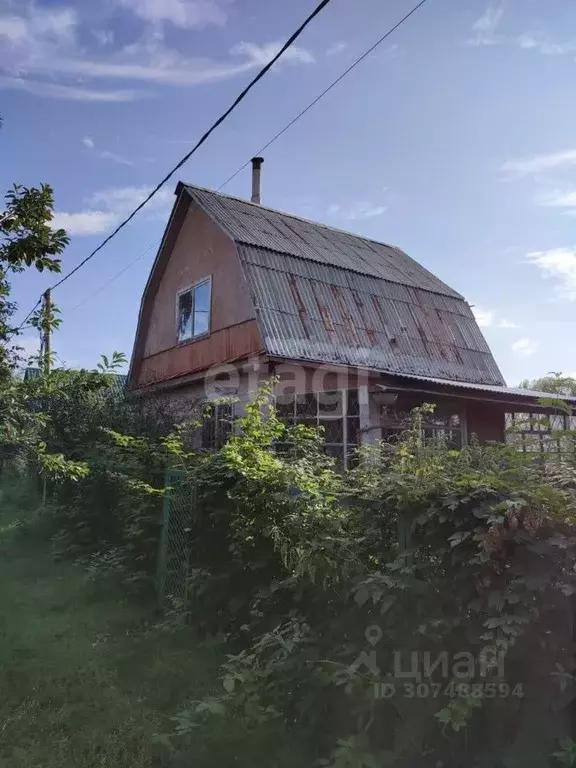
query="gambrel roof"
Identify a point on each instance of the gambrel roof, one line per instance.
(328, 296)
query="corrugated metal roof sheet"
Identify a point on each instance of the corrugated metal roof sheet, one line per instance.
(283, 233)
(336, 316)
(327, 296)
(512, 391)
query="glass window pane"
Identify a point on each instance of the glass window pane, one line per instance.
(202, 308)
(333, 430)
(201, 323)
(306, 405)
(285, 407)
(185, 316)
(202, 297)
(353, 402)
(330, 402)
(353, 430)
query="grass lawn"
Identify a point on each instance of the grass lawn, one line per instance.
(84, 685)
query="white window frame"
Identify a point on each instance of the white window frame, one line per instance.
(191, 289)
(343, 417)
(449, 409)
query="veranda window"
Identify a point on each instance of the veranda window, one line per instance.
(217, 426)
(541, 433)
(338, 412)
(441, 427)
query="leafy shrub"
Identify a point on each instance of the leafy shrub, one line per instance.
(325, 585)
(301, 568)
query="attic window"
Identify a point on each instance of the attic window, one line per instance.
(194, 311)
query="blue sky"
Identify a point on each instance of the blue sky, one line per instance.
(456, 141)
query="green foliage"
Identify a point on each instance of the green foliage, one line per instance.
(294, 563)
(88, 682)
(567, 753)
(325, 585)
(26, 240)
(555, 383)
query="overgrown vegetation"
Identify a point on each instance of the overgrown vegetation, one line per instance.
(455, 649)
(89, 677)
(415, 611)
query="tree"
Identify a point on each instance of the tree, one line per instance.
(26, 240)
(555, 383)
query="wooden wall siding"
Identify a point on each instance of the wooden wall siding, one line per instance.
(201, 249)
(295, 378)
(487, 421)
(225, 345)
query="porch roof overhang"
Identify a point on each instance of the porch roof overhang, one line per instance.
(519, 398)
(515, 398)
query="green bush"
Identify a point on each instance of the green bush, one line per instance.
(325, 584)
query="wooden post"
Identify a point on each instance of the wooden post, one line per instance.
(46, 349)
(47, 330)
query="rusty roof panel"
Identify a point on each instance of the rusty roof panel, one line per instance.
(328, 296)
(261, 227)
(323, 316)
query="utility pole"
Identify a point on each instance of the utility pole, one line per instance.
(46, 350)
(47, 330)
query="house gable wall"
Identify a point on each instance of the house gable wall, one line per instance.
(194, 248)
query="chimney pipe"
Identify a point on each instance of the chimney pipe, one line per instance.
(256, 169)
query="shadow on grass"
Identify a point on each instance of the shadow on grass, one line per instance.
(86, 683)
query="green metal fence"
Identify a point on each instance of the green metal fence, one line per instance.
(174, 555)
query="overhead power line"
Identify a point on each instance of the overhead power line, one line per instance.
(288, 44)
(277, 136)
(28, 316)
(114, 277)
(346, 72)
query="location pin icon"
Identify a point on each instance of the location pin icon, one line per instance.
(373, 634)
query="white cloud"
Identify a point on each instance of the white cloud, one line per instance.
(105, 209)
(103, 37)
(67, 92)
(13, 28)
(57, 25)
(84, 222)
(525, 347)
(123, 199)
(45, 46)
(485, 27)
(356, 211)
(538, 163)
(558, 264)
(565, 199)
(106, 154)
(336, 48)
(489, 318)
(542, 45)
(484, 317)
(485, 32)
(260, 55)
(182, 13)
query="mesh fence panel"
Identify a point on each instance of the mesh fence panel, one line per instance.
(174, 559)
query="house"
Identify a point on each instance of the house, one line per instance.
(240, 292)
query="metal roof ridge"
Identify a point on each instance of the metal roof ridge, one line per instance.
(299, 218)
(449, 292)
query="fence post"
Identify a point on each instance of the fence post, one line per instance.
(161, 569)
